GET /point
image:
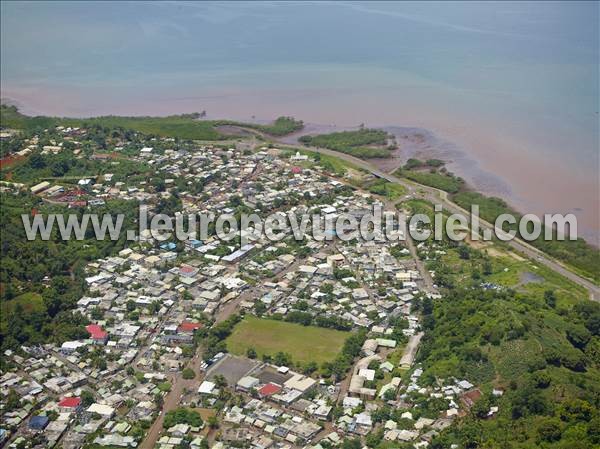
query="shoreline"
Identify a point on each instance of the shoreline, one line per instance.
(485, 171)
(422, 143)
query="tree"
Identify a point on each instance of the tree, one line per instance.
(220, 381)
(579, 336)
(282, 358)
(550, 429)
(251, 353)
(480, 408)
(182, 416)
(352, 444)
(389, 395)
(37, 161)
(188, 374)
(541, 379)
(550, 298)
(213, 422)
(260, 308)
(12, 400)
(159, 400)
(87, 398)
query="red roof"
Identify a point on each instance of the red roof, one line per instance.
(296, 170)
(70, 402)
(187, 326)
(186, 269)
(269, 389)
(96, 331)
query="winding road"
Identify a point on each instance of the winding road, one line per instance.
(437, 196)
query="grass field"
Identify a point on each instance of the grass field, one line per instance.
(303, 343)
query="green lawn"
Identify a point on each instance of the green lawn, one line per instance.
(303, 343)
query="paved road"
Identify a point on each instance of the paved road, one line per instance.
(437, 196)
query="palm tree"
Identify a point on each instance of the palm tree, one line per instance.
(220, 381)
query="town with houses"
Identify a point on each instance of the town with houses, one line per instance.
(162, 364)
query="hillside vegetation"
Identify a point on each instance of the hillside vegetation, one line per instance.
(505, 323)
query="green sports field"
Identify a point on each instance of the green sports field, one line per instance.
(303, 343)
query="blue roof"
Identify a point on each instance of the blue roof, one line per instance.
(38, 422)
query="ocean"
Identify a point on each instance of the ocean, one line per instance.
(508, 91)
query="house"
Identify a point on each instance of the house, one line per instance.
(40, 187)
(106, 411)
(238, 254)
(300, 383)
(193, 243)
(470, 397)
(247, 383)
(38, 422)
(188, 327)
(70, 404)
(207, 387)
(299, 157)
(69, 347)
(97, 334)
(188, 271)
(269, 389)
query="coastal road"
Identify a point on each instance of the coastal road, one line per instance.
(437, 196)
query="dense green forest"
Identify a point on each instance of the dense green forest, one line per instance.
(364, 143)
(40, 281)
(505, 323)
(546, 359)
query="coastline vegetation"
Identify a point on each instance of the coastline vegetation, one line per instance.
(579, 254)
(431, 173)
(182, 126)
(282, 126)
(364, 143)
